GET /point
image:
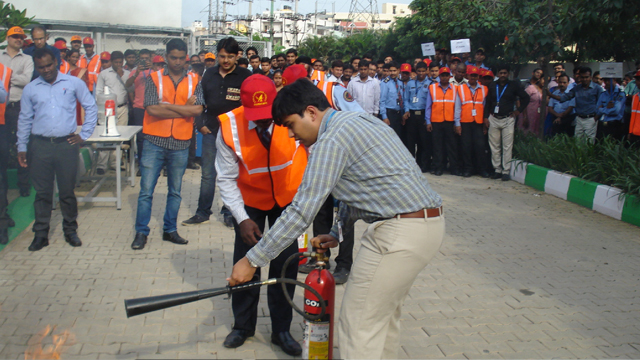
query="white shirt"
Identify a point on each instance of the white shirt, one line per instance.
(228, 169)
(109, 78)
(332, 78)
(366, 93)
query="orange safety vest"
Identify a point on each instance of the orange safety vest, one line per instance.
(267, 177)
(634, 125)
(6, 82)
(472, 102)
(178, 128)
(82, 62)
(64, 67)
(93, 69)
(327, 89)
(317, 75)
(443, 105)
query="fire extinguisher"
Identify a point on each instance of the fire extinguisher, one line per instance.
(317, 337)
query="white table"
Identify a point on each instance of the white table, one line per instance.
(104, 143)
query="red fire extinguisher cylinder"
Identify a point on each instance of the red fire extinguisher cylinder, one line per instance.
(318, 335)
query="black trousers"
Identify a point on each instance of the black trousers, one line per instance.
(610, 128)
(48, 161)
(11, 122)
(395, 118)
(565, 126)
(418, 136)
(323, 223)
(192, 145)
(138, 120)
(5, 220)
(443, 136)
(473, 146)
(245, 303)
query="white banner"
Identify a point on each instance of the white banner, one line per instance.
(428, 49)
(611, 70)
(460, 46)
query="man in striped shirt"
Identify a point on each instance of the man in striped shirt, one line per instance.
(360, 161)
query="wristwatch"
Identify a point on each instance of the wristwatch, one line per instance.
(252, 264)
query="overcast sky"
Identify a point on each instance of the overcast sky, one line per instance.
(198, 9)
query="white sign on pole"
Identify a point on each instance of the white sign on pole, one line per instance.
(460, 46)
(428, 49)
(611, 70)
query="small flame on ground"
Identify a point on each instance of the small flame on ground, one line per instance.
(37, 350)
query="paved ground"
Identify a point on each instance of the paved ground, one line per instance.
(520, 275)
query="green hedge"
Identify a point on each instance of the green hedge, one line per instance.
(609, 161)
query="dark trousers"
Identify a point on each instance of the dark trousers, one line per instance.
(418, 136)
(564, 127)
(634, 140)
(323, 223)
(444, 137)
(473, 147)
(208, 175)
(5, 220)
(48, 161)
(138, 120)
(245, 303)
(11, 122)
(192, 146)
(395, 120)
(610, 128)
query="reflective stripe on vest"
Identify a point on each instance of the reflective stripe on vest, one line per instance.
(468, 103)
(161, 85)
(180, 128)
(634, 122)
(327, 89)
(439, 106)
(64, 67)
(6, 82)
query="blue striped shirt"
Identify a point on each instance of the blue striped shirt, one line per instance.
(362, 162)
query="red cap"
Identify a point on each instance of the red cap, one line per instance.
(257, 94)
(427, 61)
(473, 70)
(27, 43)
(87, 41)
(158, 59)
(444, 69)
(405, 68)
(16, 30)
(488, 73)
(637, 74)
(456, 58)
(293, 73)
(105, 56)
(60, 45)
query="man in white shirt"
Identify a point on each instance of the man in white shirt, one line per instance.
(114, 78)
(337, 66)
(365, 90)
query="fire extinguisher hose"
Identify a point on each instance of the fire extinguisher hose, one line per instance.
(284, 280)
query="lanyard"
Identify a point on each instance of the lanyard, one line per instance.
(475, 94)
(502, 93)
(327, 123)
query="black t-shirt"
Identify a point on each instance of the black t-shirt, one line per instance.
(220, 94)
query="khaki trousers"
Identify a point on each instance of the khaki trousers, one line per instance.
(109, 156)
(586, 127)
(501, 143)
(392, 254)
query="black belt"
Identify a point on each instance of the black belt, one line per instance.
(125, 104)
(55, 140)
(501, 116)
(586, 116)
(398, 111)
(13, 104)
(416, 112)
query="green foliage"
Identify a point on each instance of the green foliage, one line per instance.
(10, 17)
(328, 48)
(609, 161)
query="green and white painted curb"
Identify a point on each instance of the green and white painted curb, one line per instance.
(601, 198)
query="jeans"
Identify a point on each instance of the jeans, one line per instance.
(153, 159)
(208, 179)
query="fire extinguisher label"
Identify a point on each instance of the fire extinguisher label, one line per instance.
(302, 242)
(315, 340)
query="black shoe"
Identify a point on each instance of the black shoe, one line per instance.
(25, 192)
(340, 275)
(4, 236)
(506, 177)
(73, 239)
(433, 171)
(496, 175)
(485, 174)
(195, 220)
(228, 220)
(466, 174)
(38, 243)
(310, 266)
(192, 165)
(286, 343)
(456, 173)
(236, 338)
(100, 171)
(438, 173)
(174, 238)
(139, 241)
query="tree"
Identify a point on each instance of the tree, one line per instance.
(10, 17)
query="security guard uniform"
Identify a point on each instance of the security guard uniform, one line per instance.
(415, 100)
(391, 103)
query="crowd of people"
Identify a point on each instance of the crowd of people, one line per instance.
(263, 121)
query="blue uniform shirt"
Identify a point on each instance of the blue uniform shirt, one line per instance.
(618, 98)
(390, 91)
(415, 97)
(343, 101)
(50, 109)
(558, 106)
(586, 98)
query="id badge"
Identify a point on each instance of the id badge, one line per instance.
(339, 222)
(415, 99)
(473, 112)
(497, 109)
